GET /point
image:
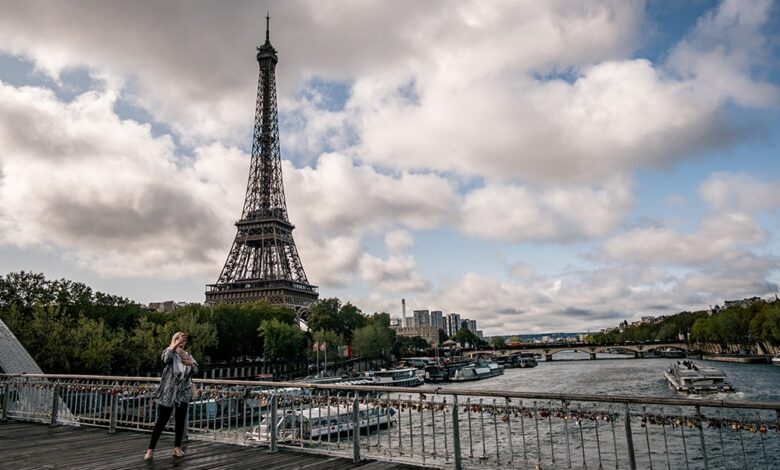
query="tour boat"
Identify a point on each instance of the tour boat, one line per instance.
(525, 360)
(686, 376)
(477, 371)
(404, 377)
(322, 422)
(521, 359)
(776, 359)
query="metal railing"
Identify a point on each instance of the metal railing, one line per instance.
(445, 428)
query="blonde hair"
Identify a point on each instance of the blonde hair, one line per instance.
(176, 336)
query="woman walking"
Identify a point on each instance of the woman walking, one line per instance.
(174, 392)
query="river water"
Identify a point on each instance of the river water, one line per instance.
(530, 436)
(614, 374)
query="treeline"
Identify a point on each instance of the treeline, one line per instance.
(69, 328)
(759, 321)
(667, 329)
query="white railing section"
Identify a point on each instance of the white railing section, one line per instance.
(445, 428)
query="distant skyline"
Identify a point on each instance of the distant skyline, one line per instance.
(534, 166)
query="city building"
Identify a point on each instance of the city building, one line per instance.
(422, 318)
(453, 324)
(166, 307)
(428, 333)
(437, 319)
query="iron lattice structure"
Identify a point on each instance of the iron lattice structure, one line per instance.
(263, 263)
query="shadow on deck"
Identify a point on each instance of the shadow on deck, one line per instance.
(28, 445)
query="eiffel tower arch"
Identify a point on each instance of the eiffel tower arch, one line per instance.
(263, 263)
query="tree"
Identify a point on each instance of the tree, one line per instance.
(94, 345)
(498, 342)
(237, 327)
(49, 339)
(332, 341)
(281, 340)
(466, 336)
(324, 315)
(442, 336)
(372, 341)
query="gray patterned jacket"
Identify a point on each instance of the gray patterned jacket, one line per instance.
(174, 388)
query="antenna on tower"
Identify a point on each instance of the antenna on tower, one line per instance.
(267, 26)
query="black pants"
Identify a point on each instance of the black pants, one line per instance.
(163, 415)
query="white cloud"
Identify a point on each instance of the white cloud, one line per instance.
(395, 274)
(335, 203)
(740, 192)
(555, 213)
(719, 235)
(116, 199)
(398, 240)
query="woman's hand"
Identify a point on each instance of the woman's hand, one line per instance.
(178, 341)
(187, 362)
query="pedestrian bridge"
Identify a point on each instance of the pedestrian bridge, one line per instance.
(549, 350)
(346, 426)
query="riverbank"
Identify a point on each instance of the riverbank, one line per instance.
(739, 358)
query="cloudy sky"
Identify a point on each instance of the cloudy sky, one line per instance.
(537, 166)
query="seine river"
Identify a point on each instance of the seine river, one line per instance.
(571, 372)
(612, 376)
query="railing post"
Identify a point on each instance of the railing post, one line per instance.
(356, 430)
(273, 424)
(6, 398)
(55, 404)
(456, 434)
(630, 440)
(701, 436)
(112, 413)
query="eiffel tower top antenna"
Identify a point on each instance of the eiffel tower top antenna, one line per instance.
(267, 26)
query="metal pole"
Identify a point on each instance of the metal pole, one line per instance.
(630, 440)
(355, 430)
(456, 434)
(6, 398)
(701, 436)
(112, 415)
(273, 424)
(55, 404)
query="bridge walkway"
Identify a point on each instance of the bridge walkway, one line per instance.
(36, 446)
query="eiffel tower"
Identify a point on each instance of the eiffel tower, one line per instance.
(263, 263)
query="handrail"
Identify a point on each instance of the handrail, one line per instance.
(427, 390)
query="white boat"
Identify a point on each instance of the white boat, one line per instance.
(776, 359)
(404, 377)
(686, 376)
(321, 422)
(477, 371)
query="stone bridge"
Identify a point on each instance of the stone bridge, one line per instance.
(550, 349)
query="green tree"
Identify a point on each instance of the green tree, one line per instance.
(442, 336)
(324, 315)
(94, 345)
(497, 342)
(194, 322)
(350, 319)
(465, 336)
(281, 340)
(372, 341)
(332, 341)
(49, 340)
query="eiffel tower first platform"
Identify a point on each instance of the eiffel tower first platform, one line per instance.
(263, 263)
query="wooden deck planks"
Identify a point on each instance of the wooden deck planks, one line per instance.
(39, 446)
